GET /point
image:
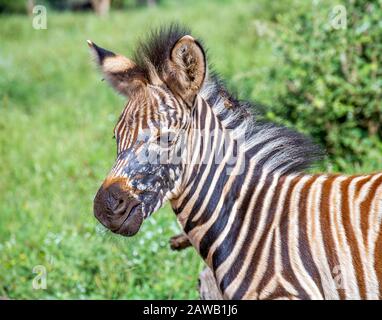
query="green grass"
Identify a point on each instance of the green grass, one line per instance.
(56, 147)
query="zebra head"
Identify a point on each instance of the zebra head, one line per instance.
(151, 132)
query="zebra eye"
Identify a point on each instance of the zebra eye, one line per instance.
(166, 139)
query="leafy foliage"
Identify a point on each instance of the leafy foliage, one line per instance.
(333, 79)
(14, 6)
(20, 6)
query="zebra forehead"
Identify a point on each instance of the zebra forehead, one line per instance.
(155, 106)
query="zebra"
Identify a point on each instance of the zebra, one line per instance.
(265, 228)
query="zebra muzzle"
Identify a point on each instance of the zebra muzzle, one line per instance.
(118, 211)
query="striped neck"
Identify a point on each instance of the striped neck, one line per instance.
(214, 168)
(224, 192)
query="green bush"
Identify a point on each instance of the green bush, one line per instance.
(332, 80)
(14, 6)
(20, 6)
(68, 4)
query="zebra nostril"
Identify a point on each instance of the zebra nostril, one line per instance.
(119, 206)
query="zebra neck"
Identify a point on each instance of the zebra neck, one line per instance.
(224, 191)
(234, 205)
(217, 181)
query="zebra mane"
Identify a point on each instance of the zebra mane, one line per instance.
(290, 151)
(153, 52)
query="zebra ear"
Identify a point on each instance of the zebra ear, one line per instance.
(187, 68)
(122, 73)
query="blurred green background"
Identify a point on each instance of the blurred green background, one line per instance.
(57, 117)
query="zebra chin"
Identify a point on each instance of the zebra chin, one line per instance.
(132, 224)
(127, 225)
